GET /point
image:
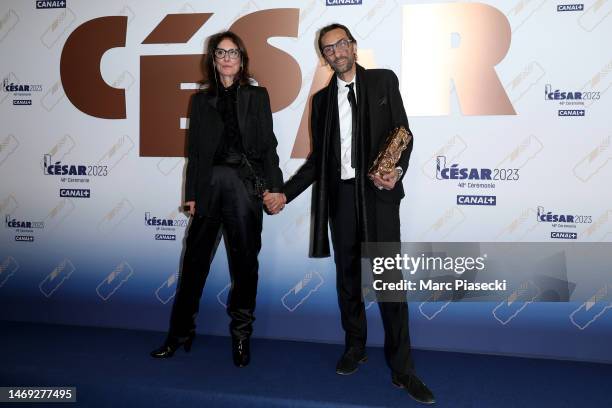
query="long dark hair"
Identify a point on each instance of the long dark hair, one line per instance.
(212, 82)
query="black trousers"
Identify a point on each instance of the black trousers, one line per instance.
(347, 255)
(238, 215)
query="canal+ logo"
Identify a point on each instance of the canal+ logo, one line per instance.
(343, 2)
(563, 235)
(165, 237)
(571, 112)
(476, 200)
(75, 192)
(50, 4)
(570, 7)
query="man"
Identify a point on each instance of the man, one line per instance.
(350, 121)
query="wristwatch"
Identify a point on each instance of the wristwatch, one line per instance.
(400, 172)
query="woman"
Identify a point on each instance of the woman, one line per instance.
(231, 161)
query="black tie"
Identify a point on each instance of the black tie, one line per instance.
(353, 102)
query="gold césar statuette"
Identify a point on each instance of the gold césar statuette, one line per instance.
(387, 159)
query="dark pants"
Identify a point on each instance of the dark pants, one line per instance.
(239, 215)
(347, 255)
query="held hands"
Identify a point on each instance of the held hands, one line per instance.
(274, 202)
(387, 181)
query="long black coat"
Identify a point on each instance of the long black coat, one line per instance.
(380, 109)
(206, 130)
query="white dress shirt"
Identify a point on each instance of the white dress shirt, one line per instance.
(346, 128)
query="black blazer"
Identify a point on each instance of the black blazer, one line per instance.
(380, 109)
(206, 130)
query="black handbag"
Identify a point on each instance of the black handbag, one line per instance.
(255, 184)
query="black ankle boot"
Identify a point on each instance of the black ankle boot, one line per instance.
(170, 347)
(241, 352)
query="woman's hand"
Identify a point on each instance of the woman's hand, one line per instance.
(274, 202)
(191, 205)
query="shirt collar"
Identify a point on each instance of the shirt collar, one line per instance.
(342, 85)
(232, 87)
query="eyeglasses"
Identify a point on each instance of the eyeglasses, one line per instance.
(233, 53)
(341, 45)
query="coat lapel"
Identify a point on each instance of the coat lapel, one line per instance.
(334, 117)
(319, 239)
(213, 120)
(363, 148)
(364, 115)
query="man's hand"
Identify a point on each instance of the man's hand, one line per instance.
(274, 202)
(387, 181)
(191, 205)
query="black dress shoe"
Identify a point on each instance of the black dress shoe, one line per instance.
(415, 387)
(241, 352)
(170, 347)
(350, 360)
